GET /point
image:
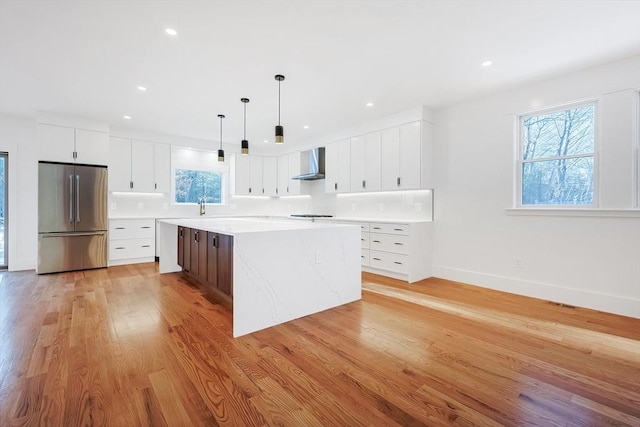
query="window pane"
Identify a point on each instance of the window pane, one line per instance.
(192, 185)
(559, 133)
(558, 182)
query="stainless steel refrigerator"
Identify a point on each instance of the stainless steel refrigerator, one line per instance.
(72, 217)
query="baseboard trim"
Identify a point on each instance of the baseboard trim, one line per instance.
(624, 306)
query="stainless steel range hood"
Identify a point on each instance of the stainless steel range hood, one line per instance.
(314, 167)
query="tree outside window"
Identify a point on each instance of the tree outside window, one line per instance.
(192, 185)
(557, 157)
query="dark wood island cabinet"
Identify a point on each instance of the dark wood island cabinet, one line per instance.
(207, 257)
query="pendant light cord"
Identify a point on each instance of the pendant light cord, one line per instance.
(221, 133)
(279, 81)
(245, 120)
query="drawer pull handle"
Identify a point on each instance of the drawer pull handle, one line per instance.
(398, 229)
(377, 259)
(399, 244)
(146, 226)
(362, 240)
(376, 241)
(146, 246)
(397, 262)
(376, 228)
(120, 247)
(120, 228)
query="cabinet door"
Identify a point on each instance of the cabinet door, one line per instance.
(269, 176)
(293, 185)
(92, 147)
(187, 249)
(202, 256)
(119, 164)
(194, 267)
(344, 167)
(372, 162)
(142, 166)
(390, 151)
(283, 175)
(212, 260)
(181, 246)
(162, 168)
(410, 156)
(225, 264)
(331, 168)
(240, 175)
(255, 176)
(357, 149)
(55, 143)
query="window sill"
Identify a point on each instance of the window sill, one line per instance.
(607, 213)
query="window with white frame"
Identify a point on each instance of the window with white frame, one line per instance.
(557, 157)
(197, 174)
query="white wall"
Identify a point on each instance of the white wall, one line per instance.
(588, 261)
(18, 138)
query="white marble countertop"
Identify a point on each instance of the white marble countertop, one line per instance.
(233, 226)
(380, 220)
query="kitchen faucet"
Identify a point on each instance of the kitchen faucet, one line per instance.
(201, 203)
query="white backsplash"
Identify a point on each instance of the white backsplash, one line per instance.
(384, 205)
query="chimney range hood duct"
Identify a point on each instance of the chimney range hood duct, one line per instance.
(315, 166)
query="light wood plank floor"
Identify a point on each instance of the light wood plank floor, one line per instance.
(125, 346)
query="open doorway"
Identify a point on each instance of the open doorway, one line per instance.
(4, 158)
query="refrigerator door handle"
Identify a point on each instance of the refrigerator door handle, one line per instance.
(70, 198)
(77, 198)
(87, 233)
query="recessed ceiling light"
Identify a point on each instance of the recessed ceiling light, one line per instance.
(171, 31)
(486, 63)
(142, 88)
(305, 126)
(127, 117)
(369, 104)
(266, 140)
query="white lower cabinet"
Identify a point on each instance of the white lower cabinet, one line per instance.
(402, 251)
(132, 241)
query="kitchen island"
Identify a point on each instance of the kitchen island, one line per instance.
(281, 269)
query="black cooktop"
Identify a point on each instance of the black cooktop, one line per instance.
(311, 216)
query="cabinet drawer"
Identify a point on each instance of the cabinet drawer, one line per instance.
(364, 240)
(131, 248)
(389, 243)
(364, 257)
(389, 228)
(131, 228)
(389, 261)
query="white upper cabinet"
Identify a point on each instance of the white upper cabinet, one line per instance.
(142, 166)
(294, 185)
(365, 162)
(270, 176)
(240, 175)
(246, 175)
(119, 164)
(401, 157)
(288, 166)
(337, 167)
(70, 145)
(255, 166)
(139, 166)
(162, 171)
(283, 175)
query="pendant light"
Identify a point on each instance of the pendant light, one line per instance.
(221, 151)
(279, 128)
(244, 148)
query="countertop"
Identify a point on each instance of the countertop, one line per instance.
(234, 226)
(277, 217)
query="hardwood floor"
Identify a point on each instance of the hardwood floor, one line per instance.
(125, 346)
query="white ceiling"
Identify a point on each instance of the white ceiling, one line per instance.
(86, 58)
